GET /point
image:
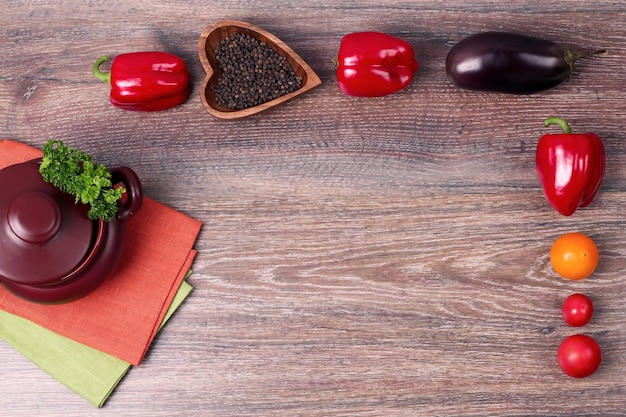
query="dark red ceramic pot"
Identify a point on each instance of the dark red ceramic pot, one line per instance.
(50, 252)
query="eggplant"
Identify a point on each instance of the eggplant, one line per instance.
(509, 63)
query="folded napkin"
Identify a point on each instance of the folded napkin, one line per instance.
(88, 372)
(122, 316)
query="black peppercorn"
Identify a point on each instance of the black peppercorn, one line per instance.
(252, 73)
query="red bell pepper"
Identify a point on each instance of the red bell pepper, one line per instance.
(570, 167)
(373, 64)
(146, 81)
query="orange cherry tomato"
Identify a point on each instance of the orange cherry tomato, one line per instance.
(574, 256)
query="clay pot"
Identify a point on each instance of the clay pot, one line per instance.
(50, 251)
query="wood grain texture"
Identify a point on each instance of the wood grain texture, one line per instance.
(359, 257)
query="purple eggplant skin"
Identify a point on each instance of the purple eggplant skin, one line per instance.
(509, 63)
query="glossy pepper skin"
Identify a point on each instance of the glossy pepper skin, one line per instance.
(570, 167)
(374, 64)
(146, 81)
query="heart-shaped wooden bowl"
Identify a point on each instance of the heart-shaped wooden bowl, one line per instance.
(211, 38)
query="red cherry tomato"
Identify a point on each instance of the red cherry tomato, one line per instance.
(577, 310)
(579, 356)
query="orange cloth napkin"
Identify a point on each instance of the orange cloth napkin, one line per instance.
(122, 316)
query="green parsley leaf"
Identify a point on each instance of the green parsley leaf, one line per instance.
(71, 171)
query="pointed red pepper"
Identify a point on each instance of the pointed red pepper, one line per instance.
(570, 167)
(146, 81)
(373, 64)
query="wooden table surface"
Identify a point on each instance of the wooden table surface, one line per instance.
(359, 257)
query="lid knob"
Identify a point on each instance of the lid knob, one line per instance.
(34, 217)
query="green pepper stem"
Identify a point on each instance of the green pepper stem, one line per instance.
(105, 77)
(558, 121)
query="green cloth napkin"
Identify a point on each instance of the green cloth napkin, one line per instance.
(90, 373)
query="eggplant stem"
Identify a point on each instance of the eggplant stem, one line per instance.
(572, 56)
(581, 55)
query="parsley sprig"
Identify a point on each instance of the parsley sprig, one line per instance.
(72, 171)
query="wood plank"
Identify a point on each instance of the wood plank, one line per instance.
(359, 257)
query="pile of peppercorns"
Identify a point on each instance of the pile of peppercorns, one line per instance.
(252, 73)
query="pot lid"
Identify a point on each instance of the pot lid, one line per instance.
(44, 235)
